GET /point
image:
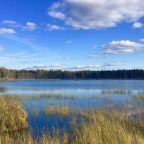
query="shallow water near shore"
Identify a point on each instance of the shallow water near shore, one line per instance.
(82, 94)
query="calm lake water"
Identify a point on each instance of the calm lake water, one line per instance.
(80, 94)
(87, 93)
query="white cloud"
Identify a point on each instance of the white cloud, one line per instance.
(9, 22)
(7, 31)
(38, 66)
(22, 57)
(14, 56)
(93, 56)
(137, 25)
(112, 64)
(108, 65)
(85, 67)
(142, 40)
(95, 14)
(62, 58)
(94, 46)
(55, 14)
(30, 26)
(121, 47)
(1, 48)
(68, 42)
(54, 27)
(45, 66)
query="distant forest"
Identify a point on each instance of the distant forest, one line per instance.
(6, 74)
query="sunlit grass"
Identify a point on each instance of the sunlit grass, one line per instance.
(106, 128)
(35, 112)
(12, 115)
(103, 127)
(52, 96)
(96, 127)
(57, 110)
(116, 91)
(26, 138)
(41, 96)
(139, 97)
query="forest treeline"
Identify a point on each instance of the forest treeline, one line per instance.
(7, 74)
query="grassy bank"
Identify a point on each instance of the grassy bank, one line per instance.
(97, 127)
(103, 128)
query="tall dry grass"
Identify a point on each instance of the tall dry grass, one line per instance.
(105, 128)
(97, 127)
(12, 115)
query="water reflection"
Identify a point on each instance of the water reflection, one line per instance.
(82, 94)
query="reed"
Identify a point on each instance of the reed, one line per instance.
(12, 115)
(105, 128)
(52, 96)
(97, 127)
(139, 97)
(117, 91)
(57, 110)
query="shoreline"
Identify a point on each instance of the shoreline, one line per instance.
(3, 80)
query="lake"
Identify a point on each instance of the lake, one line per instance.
(81, 94)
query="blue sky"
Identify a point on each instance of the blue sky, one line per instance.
(72, 34)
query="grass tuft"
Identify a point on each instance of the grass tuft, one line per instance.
(12, 115)
(57, 110)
